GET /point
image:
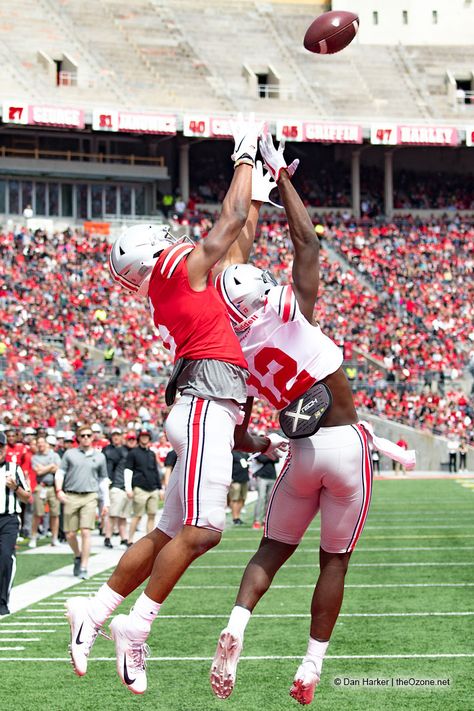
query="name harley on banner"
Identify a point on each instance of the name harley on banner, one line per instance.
(399, 135)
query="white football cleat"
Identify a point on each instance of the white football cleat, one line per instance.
(83, 633)
(224, 665)
(131, 656)
(305, 682)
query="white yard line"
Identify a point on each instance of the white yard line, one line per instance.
(44, 617)
(25, 631)
(352, 565)
(307, 615)
(349, 585)
(282, 616)
(252, 658)
(28, 622)
(359, 550)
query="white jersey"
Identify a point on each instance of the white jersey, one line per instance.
(284, 352)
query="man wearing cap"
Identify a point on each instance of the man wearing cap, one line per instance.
(142, 483)
(45, 464)
(80, 477)
(115, 454)
(13, 490)
(98, 440)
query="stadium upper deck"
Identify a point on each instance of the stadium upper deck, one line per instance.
(215, 55)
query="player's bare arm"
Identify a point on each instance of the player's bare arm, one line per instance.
(235, 208)
(306, 262)
(244, 441)
(305, 271)
(239, 252)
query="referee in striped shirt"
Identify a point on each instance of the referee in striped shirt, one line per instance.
(13, 490)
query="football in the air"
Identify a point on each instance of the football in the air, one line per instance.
(331, 32)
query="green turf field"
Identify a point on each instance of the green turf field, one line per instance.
(410, 581)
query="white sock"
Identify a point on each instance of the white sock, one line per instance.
(315, 652)
(142, 615)
(104, 602)
(238, 620)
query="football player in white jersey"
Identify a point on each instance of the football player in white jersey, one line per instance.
(297, 369)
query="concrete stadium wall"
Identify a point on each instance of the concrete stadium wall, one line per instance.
(431, 450)
(454, 26)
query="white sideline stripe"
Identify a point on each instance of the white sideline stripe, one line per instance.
(20, 639)
(361, 585)
(351, 565)
(44, 586)
(251, 659)
(307, 615)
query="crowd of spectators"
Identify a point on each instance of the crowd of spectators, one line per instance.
(75, 347)
(433, 190)
(413, 190)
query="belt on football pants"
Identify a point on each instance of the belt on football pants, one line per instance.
(306, 414)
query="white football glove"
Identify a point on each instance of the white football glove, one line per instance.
(262, 184)
(277, 447)
(273, 157)
(246, 133)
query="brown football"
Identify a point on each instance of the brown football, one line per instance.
(331, 32)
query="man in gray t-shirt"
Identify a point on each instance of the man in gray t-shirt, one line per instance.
(45, 464)
(80, 477)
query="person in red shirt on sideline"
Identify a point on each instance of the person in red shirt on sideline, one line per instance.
(210, 373)
(397, 467)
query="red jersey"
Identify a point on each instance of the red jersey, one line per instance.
(16, 453)
(193, 324)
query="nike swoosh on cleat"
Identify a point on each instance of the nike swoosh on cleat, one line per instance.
(78, 636)
(126, 678)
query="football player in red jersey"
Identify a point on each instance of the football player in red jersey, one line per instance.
(297, 369)
(210, 373)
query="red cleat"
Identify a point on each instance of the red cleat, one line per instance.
(305, 683)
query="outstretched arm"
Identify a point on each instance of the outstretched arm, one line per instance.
(303, 236)
(239, 252)
(235, 207)
(306, 244)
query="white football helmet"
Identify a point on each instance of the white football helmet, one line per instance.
(243, 289)
(135, 253)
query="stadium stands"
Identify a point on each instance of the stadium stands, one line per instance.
(62, 312)
(174, 54)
